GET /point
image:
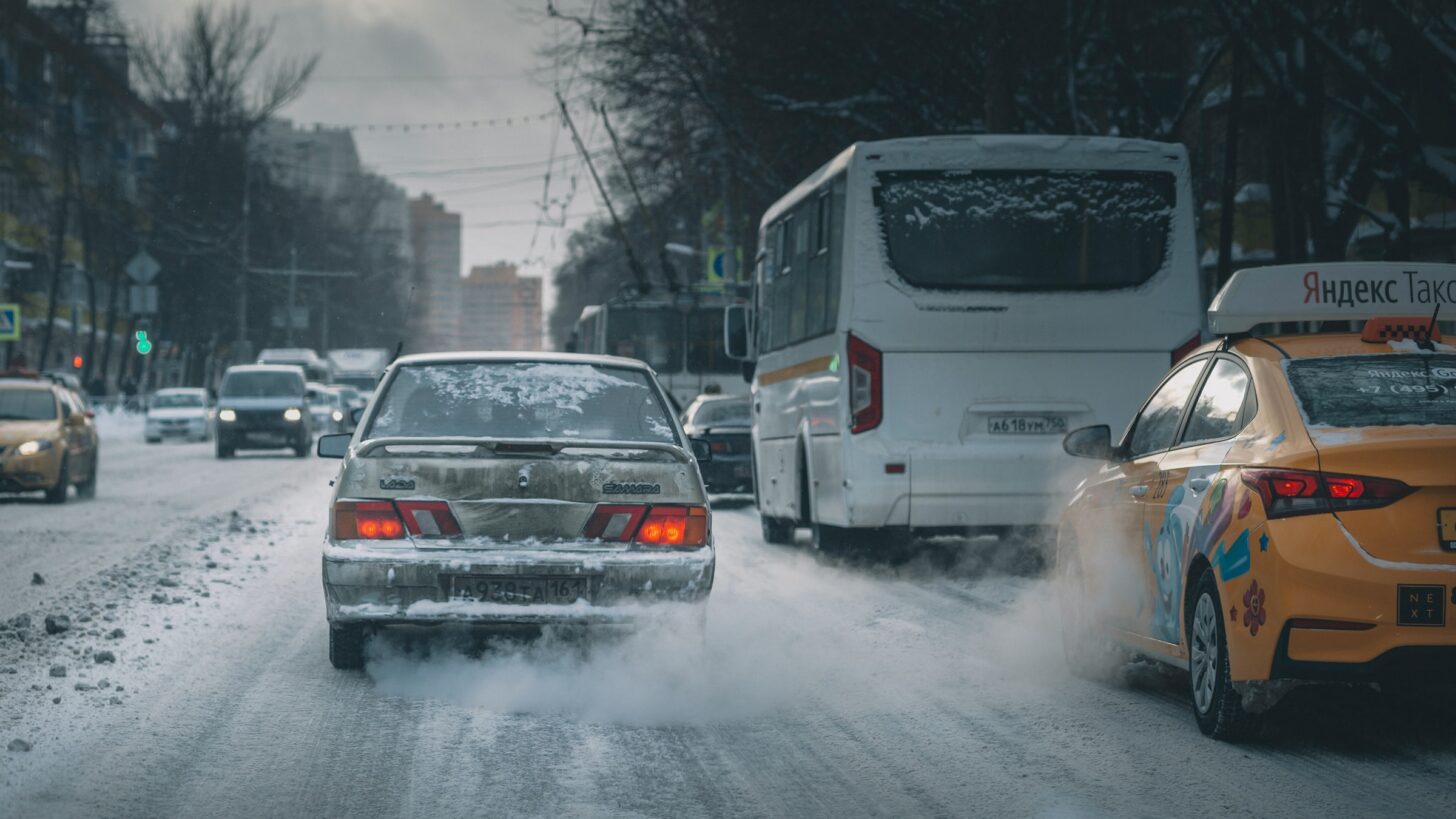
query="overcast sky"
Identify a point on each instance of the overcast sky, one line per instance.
(414, 62)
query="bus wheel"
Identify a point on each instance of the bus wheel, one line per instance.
(777, 530)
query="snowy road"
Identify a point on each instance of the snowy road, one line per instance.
(825, 690)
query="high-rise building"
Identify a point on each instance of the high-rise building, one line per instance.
(499, 310)
(434, 316)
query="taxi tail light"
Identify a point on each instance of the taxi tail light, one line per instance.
(614, 522)
(674, 526)
(1185, 349)
(428, 518)
(1289, 492)
(367, 520)
(866, 386)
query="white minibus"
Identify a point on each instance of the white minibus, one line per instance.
(931, 315)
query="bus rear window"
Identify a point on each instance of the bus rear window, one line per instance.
(1375, 390)
(651, 335)
(1026, 230)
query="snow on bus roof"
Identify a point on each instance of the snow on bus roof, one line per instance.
(1324, 291)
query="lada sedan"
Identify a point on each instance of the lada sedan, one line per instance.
(506, 489)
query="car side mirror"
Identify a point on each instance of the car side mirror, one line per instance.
(355, 414)
(334, 446)
(1090, 442)
(702, 450)
(76, 419)
(735, 332)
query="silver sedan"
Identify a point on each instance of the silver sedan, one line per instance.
(514, 489)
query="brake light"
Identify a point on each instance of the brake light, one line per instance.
(367, 520)
(674, 526)
(616, 522)
(1186, 349)
(866, 390)
(1289, 492)
(720, 447)
(428, 518)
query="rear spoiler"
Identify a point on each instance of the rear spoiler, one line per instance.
(493, 444)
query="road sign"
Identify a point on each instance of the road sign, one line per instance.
(717, 265)
(9, 322)
(143, 299)
(143, 268)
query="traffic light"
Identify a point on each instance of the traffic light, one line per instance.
(143, 346)
(77, 362)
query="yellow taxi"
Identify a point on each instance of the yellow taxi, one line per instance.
(48, 441)
(1282, 509)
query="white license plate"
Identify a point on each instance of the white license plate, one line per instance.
(1026, 424)
(520, 590)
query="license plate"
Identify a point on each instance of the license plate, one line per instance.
(741, 471)
(1446, 522)
(1420, 605)
(1026, 424)
(524, 591)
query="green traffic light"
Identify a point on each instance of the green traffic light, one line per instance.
(143, 345)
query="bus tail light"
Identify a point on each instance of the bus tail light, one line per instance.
(1290, 492)
(367, 520)
(1186, 349)
(866, 387)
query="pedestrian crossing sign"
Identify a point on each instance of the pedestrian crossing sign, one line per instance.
(9, 322)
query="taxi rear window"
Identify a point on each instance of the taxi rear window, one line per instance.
(1375, 390)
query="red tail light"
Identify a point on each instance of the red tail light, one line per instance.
(1289, 492)
(651, 526)
(367, 520)
(428, 518)
(616, 523)
(1185, 349)
(674, 526)
(866, 388)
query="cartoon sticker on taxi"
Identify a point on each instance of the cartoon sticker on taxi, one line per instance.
(1337, 447)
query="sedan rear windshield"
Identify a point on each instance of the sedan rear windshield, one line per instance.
(724, 413)
(27, 405)
(1375, 390)
(1025, 230)
(511, 399)
(262, 385)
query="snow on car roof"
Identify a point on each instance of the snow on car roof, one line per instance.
(542, 357)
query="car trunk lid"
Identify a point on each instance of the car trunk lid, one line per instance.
(506, 495)
(1408, 530)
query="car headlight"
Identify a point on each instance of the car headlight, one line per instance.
(292, 414)
(33, 447)
(227, 416)
(338, 416)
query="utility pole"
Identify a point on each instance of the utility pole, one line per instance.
(292, 288)
(638, 271)
(242, 353)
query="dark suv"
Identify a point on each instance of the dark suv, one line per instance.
(262, 406)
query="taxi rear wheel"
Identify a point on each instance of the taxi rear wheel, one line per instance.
(1217, 706)
(346, 646)
(1088, 651)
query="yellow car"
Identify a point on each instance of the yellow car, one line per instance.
(47, 439)
(1283, 508)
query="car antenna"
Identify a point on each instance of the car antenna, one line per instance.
(1430, 342)
(398, 348)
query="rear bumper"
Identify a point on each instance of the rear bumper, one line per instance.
(1320, 572)
(406, 586)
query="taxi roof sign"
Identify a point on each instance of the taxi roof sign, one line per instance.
(1325, 291)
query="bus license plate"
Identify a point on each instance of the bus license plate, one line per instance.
(524, 591)
(1027, 424)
